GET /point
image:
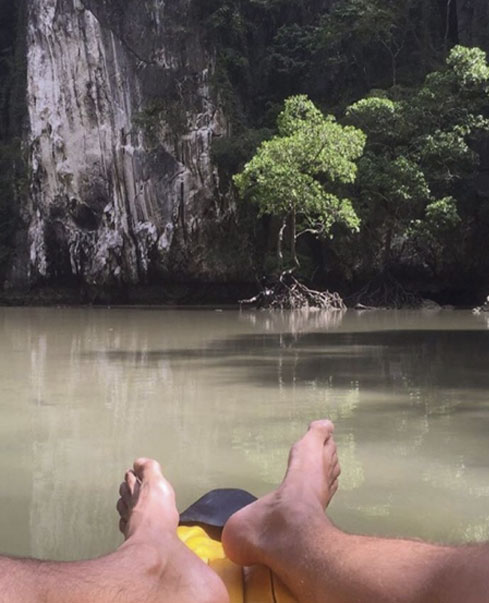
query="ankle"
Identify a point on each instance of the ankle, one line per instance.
(264, 531)
(293, 526)
(298, 508)
(143, 559)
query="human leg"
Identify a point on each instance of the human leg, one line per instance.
(289, 532)
(152, 565)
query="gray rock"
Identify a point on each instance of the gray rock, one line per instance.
(106, 205)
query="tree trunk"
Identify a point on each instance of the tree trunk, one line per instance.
(387, 246)
(280, 238)
(293, 237)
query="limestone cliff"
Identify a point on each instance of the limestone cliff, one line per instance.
(112, 199)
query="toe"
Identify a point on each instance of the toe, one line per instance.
(123, 525)
(148, 472)
(321, 429)
(318, 434)
(122, 508)
(147, 469)
(131, 480)
(125, 491)
(330, 448)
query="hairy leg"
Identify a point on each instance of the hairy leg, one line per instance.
(288, 531)
(151, 566)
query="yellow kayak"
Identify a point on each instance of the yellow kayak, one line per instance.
(200, 528)
(255, 584)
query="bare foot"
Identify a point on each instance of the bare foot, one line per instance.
(148, 520)
(267, 528)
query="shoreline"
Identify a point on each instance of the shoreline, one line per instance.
(195, 296)
(171, 294)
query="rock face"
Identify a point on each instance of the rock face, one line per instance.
(119, 181)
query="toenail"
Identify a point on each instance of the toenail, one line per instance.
(322, 424)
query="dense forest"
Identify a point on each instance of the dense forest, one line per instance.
(397, 72)
(388, 169)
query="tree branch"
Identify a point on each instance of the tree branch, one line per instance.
(311, 230)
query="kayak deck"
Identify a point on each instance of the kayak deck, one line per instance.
(255, 584)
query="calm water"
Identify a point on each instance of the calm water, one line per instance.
(218, 397)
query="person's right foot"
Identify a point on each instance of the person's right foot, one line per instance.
(266, 528)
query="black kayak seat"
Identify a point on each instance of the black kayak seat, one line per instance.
(216, 507)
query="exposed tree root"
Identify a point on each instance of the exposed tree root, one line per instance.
(289, 294)
(484, 308)
(385, 291)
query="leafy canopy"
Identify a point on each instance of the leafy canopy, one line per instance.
(419, 152)
(304, 168)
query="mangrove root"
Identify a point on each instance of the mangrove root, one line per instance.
(483, 308)
(385, 292)
(289, 294)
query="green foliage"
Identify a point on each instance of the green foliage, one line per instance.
(230, 153)
(365, 24)
(360, 45)
(291, 64)
(420, 147)
(467, 69)
(300, 115)
(376, 115)
(363, 41)
(297, 170)
(436, 231)
(303, 169)
(440, 216)
(265, 52)
(268, 50)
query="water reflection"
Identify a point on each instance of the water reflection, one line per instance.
(219, 397)
(294, 321)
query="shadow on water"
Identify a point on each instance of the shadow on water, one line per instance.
(387, 358)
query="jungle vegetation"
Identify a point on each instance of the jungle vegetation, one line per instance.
(418, 196)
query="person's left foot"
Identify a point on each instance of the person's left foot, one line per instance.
(148, 520)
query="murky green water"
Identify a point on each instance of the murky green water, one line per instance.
(218, 397)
